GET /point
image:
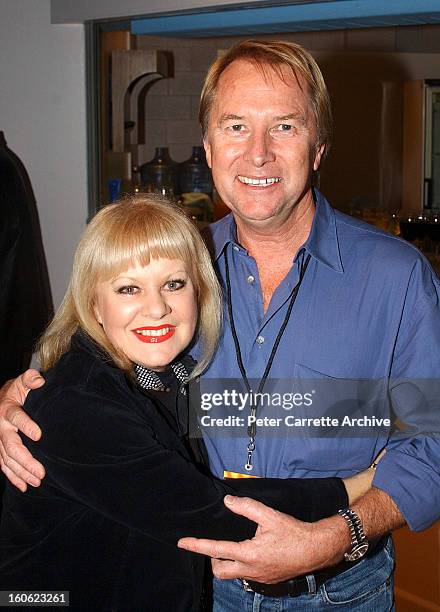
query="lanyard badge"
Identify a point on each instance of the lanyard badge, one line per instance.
(252, 429)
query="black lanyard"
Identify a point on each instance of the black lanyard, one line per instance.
(252, 429)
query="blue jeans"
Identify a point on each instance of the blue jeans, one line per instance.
(366, 587)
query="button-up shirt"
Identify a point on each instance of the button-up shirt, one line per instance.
(367, 309)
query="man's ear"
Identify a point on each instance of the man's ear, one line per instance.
(207, 151)
(318, 156)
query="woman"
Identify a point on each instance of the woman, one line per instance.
(124, 479)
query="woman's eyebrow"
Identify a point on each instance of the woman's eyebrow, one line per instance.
(137, 279)
(122, 277)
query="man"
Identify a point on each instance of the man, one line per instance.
(311, 294)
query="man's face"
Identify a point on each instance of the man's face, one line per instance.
(261, 142)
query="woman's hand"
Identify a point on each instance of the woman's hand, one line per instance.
(359, 484)
(16, 462)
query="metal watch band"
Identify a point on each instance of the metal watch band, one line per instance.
(359, 541)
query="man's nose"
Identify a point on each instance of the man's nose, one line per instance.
(155, 305)
(259, 148)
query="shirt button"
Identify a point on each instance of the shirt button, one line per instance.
(260, 340)
(236, 248)
(250, 279)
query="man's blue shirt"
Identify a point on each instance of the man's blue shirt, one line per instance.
(367, 309)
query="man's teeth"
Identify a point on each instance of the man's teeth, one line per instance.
(153, 332)
(263, 182)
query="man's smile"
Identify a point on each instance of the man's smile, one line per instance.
(259, 182)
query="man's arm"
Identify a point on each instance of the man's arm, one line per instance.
(16, 462)
(284, 547)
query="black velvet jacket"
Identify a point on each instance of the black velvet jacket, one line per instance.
(121, 488)
(25, 298)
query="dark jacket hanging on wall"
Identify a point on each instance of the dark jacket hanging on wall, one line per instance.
(25, 298)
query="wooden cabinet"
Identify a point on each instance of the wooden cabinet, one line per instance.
(417, 578)
(125, 74)
(421, 147)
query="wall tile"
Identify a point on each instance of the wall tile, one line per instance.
(145, 153)
(188, 83)
(370, 39)
(194, 108)
(418, 39)
(181, 132)
(150, 42)
(200, 62)
(168, 107)
(182, 59)
(180, 152)
(155, 129)
(185, 42)
(323, 41)
(161, 87)
(172, 104)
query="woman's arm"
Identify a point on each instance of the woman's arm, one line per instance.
(106, 457)
(357, 485)
(307, 499)
(314, 498)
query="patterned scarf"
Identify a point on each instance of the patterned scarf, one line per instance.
(148, 379)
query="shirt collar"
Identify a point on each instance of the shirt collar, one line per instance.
(219, 234)
(150, 380)
(322, 242)
(146, 378)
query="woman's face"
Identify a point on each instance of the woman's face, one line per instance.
(149, 312)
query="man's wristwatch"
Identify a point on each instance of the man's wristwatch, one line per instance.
(359, 541)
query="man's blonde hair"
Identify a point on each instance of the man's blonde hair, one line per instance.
(127, 233)
(274, 54)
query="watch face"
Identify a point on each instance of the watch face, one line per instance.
(358, 552)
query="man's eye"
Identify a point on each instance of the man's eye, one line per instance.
(237, 127)
(175, 284)
(128, 289)
(285, 127)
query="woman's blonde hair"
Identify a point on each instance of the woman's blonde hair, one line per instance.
(131, 232)
(274, 54)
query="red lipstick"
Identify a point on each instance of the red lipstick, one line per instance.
(144, 333)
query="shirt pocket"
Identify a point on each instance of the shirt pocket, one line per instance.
(344, 442)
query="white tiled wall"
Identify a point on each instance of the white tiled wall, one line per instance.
(172, 104)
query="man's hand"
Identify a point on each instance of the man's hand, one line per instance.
(283, 547)
(16, 462)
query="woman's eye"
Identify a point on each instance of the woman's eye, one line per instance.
(128, 290)
(175, 284)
